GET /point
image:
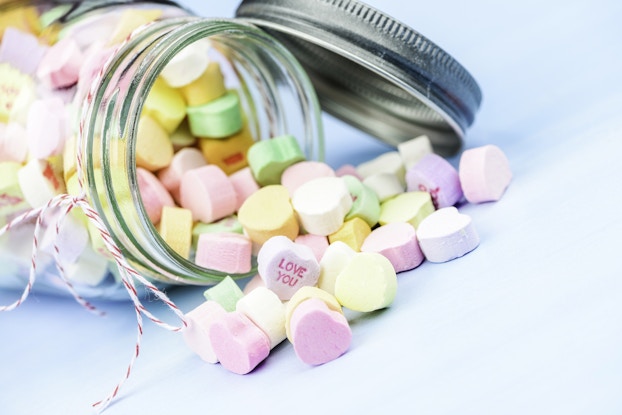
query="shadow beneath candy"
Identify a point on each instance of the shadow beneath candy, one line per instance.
(357, 317)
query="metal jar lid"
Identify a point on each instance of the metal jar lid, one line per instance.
(372, 71)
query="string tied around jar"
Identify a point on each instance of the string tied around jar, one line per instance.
(55, 211)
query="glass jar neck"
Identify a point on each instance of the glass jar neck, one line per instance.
(276, 96)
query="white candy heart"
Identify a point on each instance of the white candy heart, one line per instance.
(322, 204)
(446, 234)
(286, 266)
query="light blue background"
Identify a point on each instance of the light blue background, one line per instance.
(528, 323)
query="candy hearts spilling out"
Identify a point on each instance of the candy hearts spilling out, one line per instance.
(446, 234)
(286, 266)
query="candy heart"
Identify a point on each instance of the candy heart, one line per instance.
(22, 50)
(335, 258)
(435, 175)
(390, 162)
(297, 174)
(485, 173)
(397, 241)
(46, 128)
(12, 83)
(285, 266)
(153, 195)
(238, 343)
(60, 66)
(446, 234)
(226, 293)
(266, 310)
(219, 118)
(269, 158)
(319, 334)
(365, 203)
(368, 282)
(187, 65)
(322, 204)
(196, 335)
(267, 213)
(411, 207)
(304, 294)
(414, 150)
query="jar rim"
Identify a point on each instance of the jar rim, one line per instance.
(121, 113)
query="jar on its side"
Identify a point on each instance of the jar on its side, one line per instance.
(276, 98)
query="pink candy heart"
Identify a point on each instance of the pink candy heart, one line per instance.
(238, 343)
(319, 334)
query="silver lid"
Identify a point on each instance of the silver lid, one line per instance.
(372, 71)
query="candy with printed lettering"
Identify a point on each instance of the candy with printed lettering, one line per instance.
(286, 266)
(435, 175)
(229, 153)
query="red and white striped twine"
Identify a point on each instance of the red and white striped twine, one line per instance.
(66, 203)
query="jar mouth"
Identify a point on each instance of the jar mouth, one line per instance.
(265, 75)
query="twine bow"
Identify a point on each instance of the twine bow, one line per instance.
(66, 203)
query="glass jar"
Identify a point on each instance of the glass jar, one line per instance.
(276, 98)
